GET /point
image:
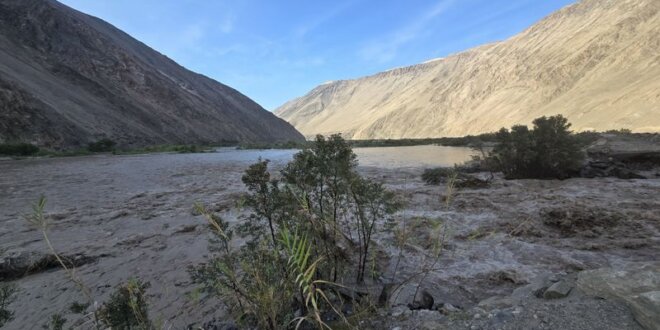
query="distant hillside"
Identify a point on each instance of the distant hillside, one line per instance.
(597, 62)
(67, 79)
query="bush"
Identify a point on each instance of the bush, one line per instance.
(435, 176)
(549, 150)
(18, 149)
(7, 296)
(56, 322)
(301, 234)
(127, 307)
(103, 145)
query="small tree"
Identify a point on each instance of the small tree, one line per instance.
(301, 233)
(549, 150)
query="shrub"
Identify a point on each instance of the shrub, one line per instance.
(436, 176)
(103, 145)
(18, 149)
(7, 296)
(549, 150)
(301, 232)
(127, 307)
(78, 307)
(56, 322)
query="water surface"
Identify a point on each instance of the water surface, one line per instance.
(102, 177)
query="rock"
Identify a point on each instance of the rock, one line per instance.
(423, 300)
(447, 309)
(558, 290)
(536, 287)
(408, 295)
(400, 311)
(431, 325)
(637, 286)
(608, 168)
(497, 302)
(646, 308)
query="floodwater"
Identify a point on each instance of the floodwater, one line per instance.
(92, 179)
(132, 215)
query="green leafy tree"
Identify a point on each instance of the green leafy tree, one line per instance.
(549, 150)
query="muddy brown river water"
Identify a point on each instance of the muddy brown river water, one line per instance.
(133, 216)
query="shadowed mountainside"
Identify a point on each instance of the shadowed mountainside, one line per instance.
(67, 79)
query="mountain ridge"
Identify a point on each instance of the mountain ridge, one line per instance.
(68, 78)
(586, 61)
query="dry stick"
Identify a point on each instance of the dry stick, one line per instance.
(450, 190)
(39, 221)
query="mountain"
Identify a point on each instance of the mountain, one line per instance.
(67, 79)
(597, 62)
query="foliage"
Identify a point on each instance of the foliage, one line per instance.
(7, 296)
(252, 281)
(56, 322)
(176, 148)
(78, 307)
(549, 150)
(18, 149)
(300, 229)
(103, 145)
(298, 249)
(464, 141)
(436, 176)
(127, 307)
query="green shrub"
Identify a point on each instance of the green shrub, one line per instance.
(18, 149)
(103, 145)
(127, 307)
(549, 150)
(296, 236)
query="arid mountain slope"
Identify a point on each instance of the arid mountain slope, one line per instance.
(67, 78)
(597, 62)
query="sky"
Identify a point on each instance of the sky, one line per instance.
(274, 51)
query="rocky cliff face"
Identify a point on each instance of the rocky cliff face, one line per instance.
(67, 78)
(596, 62)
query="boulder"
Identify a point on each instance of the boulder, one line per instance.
(558, 290)
(423, 300)
(536, 287)
(646, 308)
(447, 309)
(637, 285)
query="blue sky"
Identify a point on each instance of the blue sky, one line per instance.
(273, 51)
